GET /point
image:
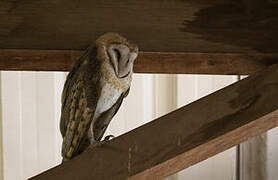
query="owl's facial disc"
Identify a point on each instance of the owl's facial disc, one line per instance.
(122, 59)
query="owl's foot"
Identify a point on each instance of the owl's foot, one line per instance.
(107, 138)
(100, 143)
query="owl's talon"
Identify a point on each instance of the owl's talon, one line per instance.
(100, 143)
(107, 138)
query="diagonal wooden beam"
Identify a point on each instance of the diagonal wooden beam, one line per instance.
(183, 137)
(147, 62)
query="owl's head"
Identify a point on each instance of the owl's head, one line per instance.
(118, 51)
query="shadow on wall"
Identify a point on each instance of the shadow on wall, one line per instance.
(246, 23)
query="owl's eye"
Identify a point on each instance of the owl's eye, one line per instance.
(117, 54)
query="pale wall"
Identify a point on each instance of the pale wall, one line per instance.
(1, 143)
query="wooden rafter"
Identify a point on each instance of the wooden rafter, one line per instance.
(183, 137)
(147, 62)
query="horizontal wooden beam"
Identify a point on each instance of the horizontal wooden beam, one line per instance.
(183, 137)
(147, 62)
(218, 26)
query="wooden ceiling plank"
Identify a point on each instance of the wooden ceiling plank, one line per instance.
(218, 26)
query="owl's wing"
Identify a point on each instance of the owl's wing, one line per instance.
(80, 96)
(103, 121)
(71, 78)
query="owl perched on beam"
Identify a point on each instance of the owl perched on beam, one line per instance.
(94, 91)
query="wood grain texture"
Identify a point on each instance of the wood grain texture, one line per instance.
(147, 62)
(156, 26)
(183, 137)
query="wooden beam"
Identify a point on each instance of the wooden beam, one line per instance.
(218, 26)
(147, 62)
(183, 137)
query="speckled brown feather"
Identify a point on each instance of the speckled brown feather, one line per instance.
(79, 99)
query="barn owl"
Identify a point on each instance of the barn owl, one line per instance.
(94, 91)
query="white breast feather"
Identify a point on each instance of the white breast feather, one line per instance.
(109, 96)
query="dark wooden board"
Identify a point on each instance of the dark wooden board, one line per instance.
(147, 62)
(230, 26)
(183, 137)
